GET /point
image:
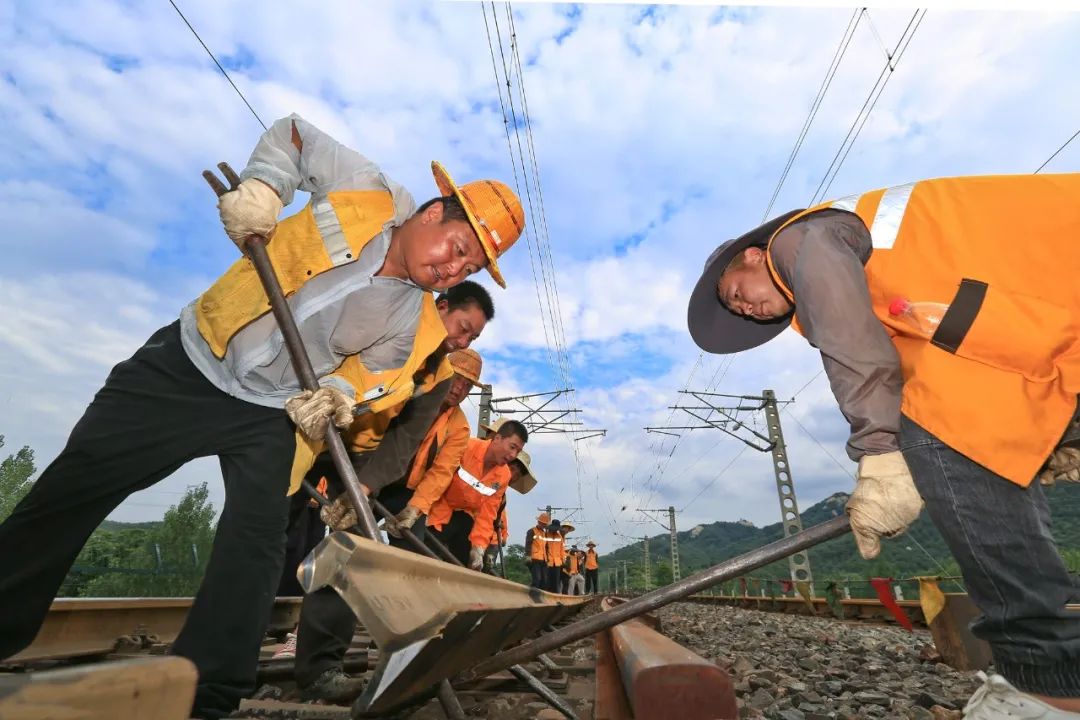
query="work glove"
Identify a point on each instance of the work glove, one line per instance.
(251, 209)
(311, 411)
(476, 557)
(884, 503)
(339, 514)
(404, 520)
(1064, 464)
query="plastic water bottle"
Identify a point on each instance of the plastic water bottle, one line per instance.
(924, 317)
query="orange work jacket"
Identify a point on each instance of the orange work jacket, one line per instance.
(474, 492)
(591, 561)
(1005, 392)
(556, 549)
(537, 544)
(448, 438)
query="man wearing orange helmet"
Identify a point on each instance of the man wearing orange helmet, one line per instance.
(357, 264)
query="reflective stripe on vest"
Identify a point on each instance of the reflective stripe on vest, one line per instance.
(475, 483)
(333, 237)
(891, 205)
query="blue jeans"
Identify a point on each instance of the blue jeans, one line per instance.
(999, 534)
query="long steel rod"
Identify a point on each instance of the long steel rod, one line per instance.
(658, 598)
(449, 702)
(543, 691)
(256, 247)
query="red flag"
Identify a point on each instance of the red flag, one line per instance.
(787, 585)
(883, 587)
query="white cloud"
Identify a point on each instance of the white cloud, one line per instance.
(658, 135)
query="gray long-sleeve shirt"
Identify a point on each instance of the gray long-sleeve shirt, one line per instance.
(821, 259)
(344, 311)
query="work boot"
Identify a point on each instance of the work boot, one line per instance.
(334, 686)
(997, 699)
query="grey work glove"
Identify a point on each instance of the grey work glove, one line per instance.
(339, 514)
(311, 411)
(1064, 464)
(884, 503)
(251, 209)
(404, 520)
(476, 557)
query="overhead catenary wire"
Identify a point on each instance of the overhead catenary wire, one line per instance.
(826, 82)
(891, 63)
(219, 65)
(1055, 153)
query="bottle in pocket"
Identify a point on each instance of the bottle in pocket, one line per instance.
(923, 317)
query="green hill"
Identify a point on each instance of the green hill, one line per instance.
(920, 551)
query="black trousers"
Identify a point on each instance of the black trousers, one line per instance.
(554, 579)
(155, 413)
(539, 574)
(305, 530)
(455, 535)
(327, 623)
(591, 577)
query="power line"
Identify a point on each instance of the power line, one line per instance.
(838, 56)
(1065, 145)
(219, 65)
(891, 63)
(718, 476)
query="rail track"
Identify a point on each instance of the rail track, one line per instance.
(111, 654)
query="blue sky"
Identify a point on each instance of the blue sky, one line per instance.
(658, 133)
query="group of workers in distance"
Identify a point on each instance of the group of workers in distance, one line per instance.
(970, 409)
(555, 567)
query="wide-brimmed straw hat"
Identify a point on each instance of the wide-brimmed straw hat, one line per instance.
(467, 363)
(494, 212)
(526, 481)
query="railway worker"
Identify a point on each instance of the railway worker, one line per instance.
(536, 545)
(464, 517)
(377, 442)
(592, 568)
(357, 264)
(522, 481)
(966, 408)
(576, 581)
(555, 550)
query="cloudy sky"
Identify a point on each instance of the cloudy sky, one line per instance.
(657, 133)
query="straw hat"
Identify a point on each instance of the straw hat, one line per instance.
(590, 544)
(526, 481)
(566, 528)
(494, 212)
(467, 363)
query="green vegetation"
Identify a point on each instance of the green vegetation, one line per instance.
(15, 473)
(921, 551)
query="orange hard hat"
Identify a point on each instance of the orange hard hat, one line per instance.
(494, 212)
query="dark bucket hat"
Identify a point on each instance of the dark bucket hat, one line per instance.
(716, 329)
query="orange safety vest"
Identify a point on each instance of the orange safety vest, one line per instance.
(537, 550)
(1003, 392)
(573, 560)
(591, 561)
(556, 550)
(474, 492)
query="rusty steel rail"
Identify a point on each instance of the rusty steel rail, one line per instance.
(77, 627)
(854, 609)
(661, 678)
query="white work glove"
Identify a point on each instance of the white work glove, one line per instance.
(251, 209)
(404, 520)
(339, 514)
(476, 557)
(884, 503)
(311, 411)
(1064, 464)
